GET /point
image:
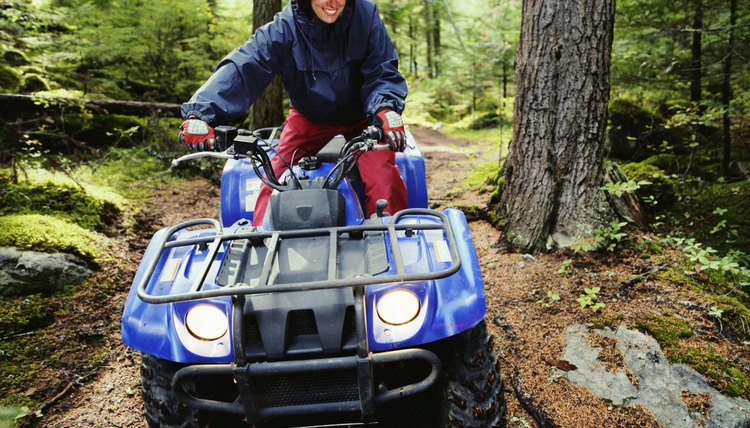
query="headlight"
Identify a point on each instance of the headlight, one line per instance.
(206, 322)
(398, 307)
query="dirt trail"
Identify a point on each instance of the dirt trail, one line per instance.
(528, 334)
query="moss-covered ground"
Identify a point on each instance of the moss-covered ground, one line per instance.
(49, 341)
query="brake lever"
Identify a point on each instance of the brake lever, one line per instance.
(191, 156)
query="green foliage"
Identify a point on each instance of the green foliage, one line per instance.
(48, 234)
(726, 229)
(590, 299)
(566, 266)
(715, 312)
(604, 237)
(552, 298)
(619, 189)
(123, 50)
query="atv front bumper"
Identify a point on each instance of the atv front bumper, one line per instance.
(306, 387)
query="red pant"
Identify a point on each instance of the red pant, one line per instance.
(377, 169)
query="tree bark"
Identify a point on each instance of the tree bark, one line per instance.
(268, 109)
(551, 192)
(726, 92)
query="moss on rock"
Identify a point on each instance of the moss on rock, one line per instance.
(666, 330)
(34, 82)
(36, 232)
(667, 162)
(15, 57)
(61, 199)
(9, 79)
(659, 194)
(721, 373)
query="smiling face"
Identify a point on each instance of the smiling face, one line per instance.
(328, 11)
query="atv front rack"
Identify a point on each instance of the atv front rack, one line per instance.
(271, 241)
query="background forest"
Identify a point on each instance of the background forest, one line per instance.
(679, 105)
(679, 121)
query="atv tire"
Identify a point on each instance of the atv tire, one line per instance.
(164, 409)
(471, 387)
(160, 403)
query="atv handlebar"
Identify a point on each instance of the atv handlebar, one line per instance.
(246, 144)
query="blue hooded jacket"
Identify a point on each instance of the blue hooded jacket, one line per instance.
(334, 74)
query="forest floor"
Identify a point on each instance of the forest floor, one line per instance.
(529, 335)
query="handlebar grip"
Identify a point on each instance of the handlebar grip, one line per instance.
(373, 133)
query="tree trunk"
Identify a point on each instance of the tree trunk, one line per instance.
(696, 72)
(428, 36)
(18, 103)
(436, 38)
(412, 48)
(554, 170)
(726, 92)
(268, 109)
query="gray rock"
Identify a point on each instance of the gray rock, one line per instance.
(28, 272)
(613, 387)
(660, 385)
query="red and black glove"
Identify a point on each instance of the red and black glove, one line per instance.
(197, 135)
(393, 129)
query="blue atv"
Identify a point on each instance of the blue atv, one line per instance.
(320, 316)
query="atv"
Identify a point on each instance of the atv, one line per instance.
(320, 316)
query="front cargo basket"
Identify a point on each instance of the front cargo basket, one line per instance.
(270, 241)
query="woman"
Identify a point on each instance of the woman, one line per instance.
(340, 70)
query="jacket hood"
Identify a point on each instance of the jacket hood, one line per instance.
(303, 14)
(316, 37)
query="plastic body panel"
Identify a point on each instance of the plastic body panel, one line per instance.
(240, 185)
(450, 305)
(154, 329)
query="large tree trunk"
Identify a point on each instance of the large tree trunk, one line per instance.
(267, 110)
(554, 170)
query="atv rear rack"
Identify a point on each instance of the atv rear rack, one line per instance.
(271, 240)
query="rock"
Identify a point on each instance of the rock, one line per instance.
(660, 385)
(529, 258)
(614, 387)
(28, 272)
